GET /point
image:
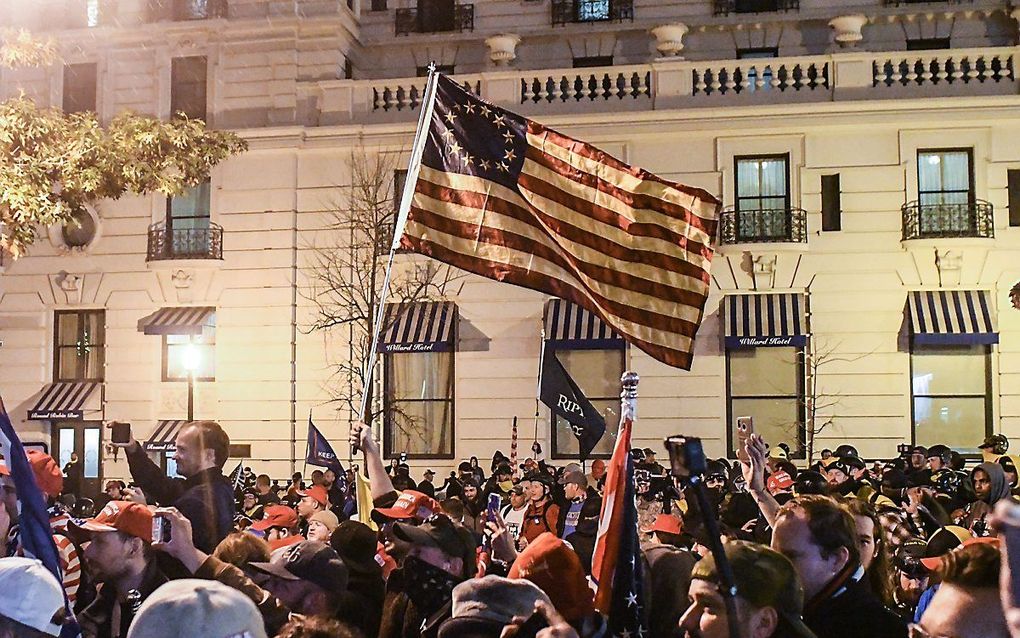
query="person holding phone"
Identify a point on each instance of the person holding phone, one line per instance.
(204, 495)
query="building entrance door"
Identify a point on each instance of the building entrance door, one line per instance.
(84, 438)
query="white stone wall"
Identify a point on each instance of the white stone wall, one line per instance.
(273, 83)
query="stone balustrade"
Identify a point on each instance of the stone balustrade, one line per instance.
(675, 83)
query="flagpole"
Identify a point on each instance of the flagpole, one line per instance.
(413, 168)
(538, 388)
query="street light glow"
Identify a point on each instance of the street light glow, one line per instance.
(191, 358)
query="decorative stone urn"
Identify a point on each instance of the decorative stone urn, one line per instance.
(848, 29)
(669, 39)
(503, 48)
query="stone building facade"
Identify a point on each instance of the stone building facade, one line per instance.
(868, 158)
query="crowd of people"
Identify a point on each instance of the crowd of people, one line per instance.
(846, 547)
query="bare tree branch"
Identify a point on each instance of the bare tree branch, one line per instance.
(345, 274)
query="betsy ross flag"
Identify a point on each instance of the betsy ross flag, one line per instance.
(33, 522)
(504, 197)
(616, 564)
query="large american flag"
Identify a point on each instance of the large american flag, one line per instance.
(616, 564)
(509, 199)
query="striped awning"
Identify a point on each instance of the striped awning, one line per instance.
(428, 326)
(571, 327)
(772, 320)
(183, 320)
(164, 437)
(951, 317)
(69, 401)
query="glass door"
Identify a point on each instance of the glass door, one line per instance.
(84, 440)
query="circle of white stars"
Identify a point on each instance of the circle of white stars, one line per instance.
(459, 156)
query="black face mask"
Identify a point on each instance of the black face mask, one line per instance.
(428, 586)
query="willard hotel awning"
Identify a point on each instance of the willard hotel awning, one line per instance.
(420, 327)
(773, 320)
(950, 317)
(69, 401)
(571, 327)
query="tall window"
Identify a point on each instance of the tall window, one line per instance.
(597, 373)
(945, 191)
(188, 87)
(762, 197)
(79, 345)
(768, 385)
(79, 87)
(945, 177)
(951, 392)
(182, 351)
(92, 15)
(187, 221)
(592, 10)
(436, 15)
(418, 397)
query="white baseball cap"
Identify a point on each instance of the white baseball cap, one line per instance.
(194, 607)
(39, 602)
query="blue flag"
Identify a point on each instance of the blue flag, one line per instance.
(320, 452)
(34, 521)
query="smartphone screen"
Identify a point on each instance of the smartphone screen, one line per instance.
(745, 426)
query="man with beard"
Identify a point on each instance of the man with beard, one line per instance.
(911, 576)
(119, 558)
(474, 506)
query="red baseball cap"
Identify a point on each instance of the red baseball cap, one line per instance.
(128, 517)
(411, 504)
(47, 473)
(286, 541)
(779, 482)
(318, 493)
(277, 516)
(669, 523)
(934, 562)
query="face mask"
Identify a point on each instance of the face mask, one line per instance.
(428, 586)
(506, 486)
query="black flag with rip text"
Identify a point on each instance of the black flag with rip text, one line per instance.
(565, 399)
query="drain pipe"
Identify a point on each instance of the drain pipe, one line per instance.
(293, 320)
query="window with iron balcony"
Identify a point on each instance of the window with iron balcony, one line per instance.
(187, 232)
(762, 212)
(726, 7)
(946, 205)
(179, 10)
(576, 11)
(435, 16)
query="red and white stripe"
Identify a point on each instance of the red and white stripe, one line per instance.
(611, 519)
(631, 247)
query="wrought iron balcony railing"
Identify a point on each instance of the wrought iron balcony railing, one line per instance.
(179, 10)
(933, 221)
(184, 243)
(726, 7)
(775, 225)
(412, 21)
(570, 11)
